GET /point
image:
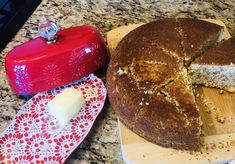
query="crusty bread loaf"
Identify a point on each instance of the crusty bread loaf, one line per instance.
(148, 85)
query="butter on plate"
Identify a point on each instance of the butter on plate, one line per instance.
(66, 105)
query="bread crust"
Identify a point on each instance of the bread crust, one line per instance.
(223, 54)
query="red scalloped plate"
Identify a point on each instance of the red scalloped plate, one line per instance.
(32, 135)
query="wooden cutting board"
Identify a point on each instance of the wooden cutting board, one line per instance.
(218, 129)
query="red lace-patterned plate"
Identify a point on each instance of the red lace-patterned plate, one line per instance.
(32, 136)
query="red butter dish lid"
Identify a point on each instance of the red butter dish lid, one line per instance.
(55, 59)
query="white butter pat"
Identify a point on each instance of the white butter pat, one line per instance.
(66, 105)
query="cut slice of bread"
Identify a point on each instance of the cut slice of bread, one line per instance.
(216, 67)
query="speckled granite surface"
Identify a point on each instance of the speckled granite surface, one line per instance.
(102, 144)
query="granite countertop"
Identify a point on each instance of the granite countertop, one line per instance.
(102, 144)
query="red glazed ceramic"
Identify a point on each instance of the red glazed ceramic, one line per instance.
(58, 59)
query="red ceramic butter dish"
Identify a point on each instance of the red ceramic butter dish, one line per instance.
(55, 59)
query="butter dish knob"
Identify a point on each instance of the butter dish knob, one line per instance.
(48, 30)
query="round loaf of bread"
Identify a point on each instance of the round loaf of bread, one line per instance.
(148, 84)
